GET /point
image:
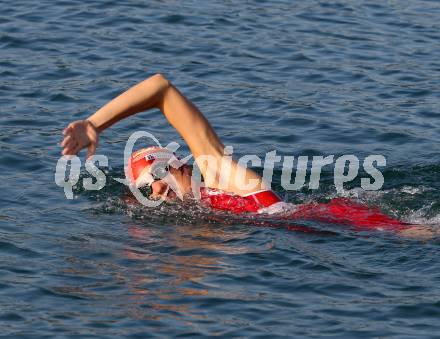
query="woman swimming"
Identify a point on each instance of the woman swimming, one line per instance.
(232, 195)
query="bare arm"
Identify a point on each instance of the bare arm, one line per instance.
(420, 232)
(141, 97)
(184, 116)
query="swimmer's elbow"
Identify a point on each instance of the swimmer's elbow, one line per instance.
(162, 81)
(159, 85)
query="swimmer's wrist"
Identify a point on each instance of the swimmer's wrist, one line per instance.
(94, 125)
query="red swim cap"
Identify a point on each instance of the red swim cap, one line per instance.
(148, 164)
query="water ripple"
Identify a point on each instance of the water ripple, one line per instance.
(304, 78)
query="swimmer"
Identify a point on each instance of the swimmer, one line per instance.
(157, 92)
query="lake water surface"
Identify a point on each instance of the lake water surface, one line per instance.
(299, 77)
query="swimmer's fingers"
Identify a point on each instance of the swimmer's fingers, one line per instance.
(67, 130)
(78, 135)
(69, 148)
(72, 148)
(70, 138)
(67, 141)
(68, 144)
(77, 130)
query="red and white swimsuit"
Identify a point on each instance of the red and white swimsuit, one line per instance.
(338, 210)
(238, 204)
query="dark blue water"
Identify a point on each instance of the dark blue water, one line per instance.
(309, 77)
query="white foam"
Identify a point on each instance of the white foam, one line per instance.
(278, 208)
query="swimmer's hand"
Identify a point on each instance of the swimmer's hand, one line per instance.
(78, 135)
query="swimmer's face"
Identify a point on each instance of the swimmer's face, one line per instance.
(181, 175)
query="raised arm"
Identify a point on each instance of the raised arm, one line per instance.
(184, 116)
(158, 92)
